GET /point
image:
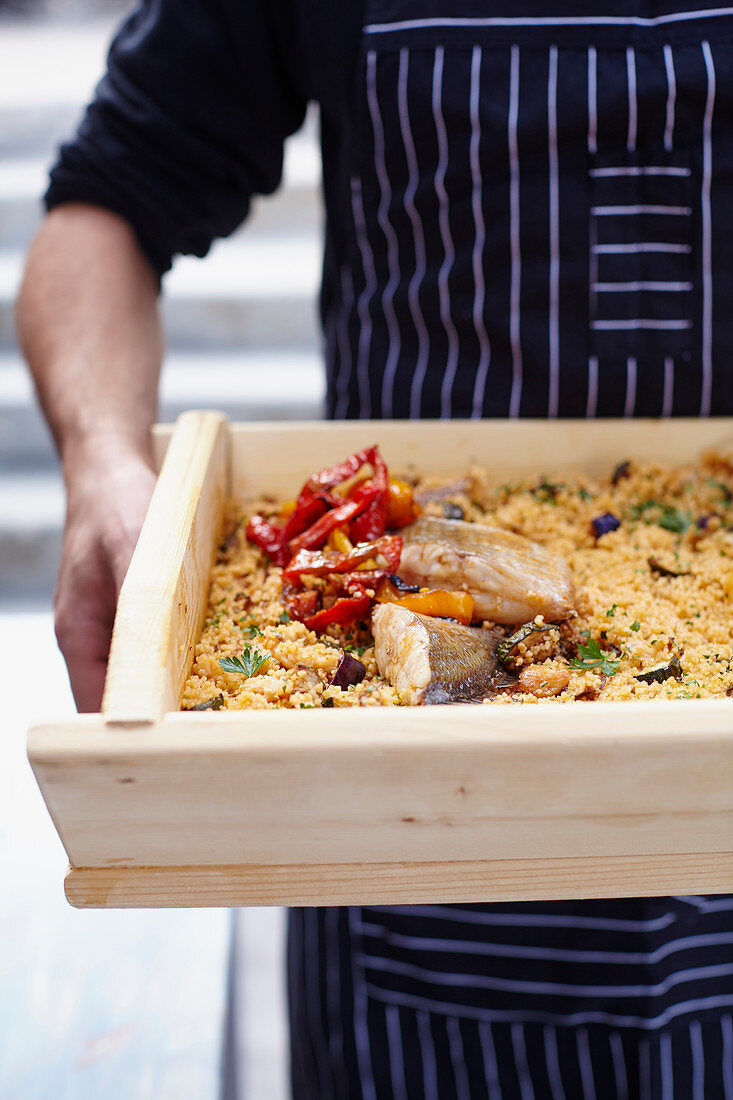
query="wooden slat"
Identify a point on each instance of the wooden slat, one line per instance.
(433, 783)
(163, 598)
(399, 883)
(279, 457)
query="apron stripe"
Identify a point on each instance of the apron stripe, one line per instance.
(592, 104)
(385, 198)
(445, 234)
(631, 79)
(630, 404)
(698, 1061)
(457, 1057)
(668, 396)
(552, 1064)
(640, 246)
(480, 236)
(548, 21)
(707, 273)
(342, 342)
(413, 291)
(619, 1065)
(585, 1064)
(554, 389)
(515, 237)
(727, 1029)
(519, 919)
(365, 299)
(312, 966)
(427, 1055)
(361, 1026)
(666, 1066)
(519, 1049)
(671, 97)
(592, 405)
(395, 1049)
(488, 1054)
(334, 1001)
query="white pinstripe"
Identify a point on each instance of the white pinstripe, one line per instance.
(515, 239)
(592, 100)
(395, 1051)
(555, 954)
(361, 1030)
(619, 1066)
(530, 988)
(591, 407)
(645, 1071)
(641, 246)
(342, 341)
(707, 269)
(611, 288)
(668, 396)
(671, 97)
(726, 1026)
(521, 1064)
(413, 290)
(479, 240)
(548, 21)
(640, 208)
(552, 1062)
(457, 1057)
(385, 198)
(630, 403)
(554, 388)
(427, 1054)
(638, 170)
(519, 919)
(449, 254)
(666, 1066)
(631, 81)
(585, 1064)
(635, 323)
(365, 298)
(570, 1019)
(697, 1050)
(491, 1067)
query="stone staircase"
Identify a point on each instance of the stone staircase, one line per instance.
(242, 324)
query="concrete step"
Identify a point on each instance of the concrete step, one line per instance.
(257, 385)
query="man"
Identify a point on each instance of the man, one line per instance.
(524, 217)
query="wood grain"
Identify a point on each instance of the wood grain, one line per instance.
(162, 602)
(399, 883)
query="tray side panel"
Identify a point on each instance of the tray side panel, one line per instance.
(162, 602)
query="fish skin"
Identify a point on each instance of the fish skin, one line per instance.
(511, 578)
(430, 660)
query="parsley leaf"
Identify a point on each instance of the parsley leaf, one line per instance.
(635, 626)
(591, 656)
(248, 663)
(284, 618)
(252, 631)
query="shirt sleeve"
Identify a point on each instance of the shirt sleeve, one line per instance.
(188, 121)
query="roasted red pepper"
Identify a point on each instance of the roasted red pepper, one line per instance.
(301, 605)
(269, 538)
(371, 523)
(318, 563)
(343, 611)
(316, 535)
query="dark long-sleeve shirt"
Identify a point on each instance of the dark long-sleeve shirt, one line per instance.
(189, 121)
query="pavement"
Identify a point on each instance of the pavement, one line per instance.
(127, 1005)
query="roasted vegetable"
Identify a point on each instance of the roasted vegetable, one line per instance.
(603, 525)
(350, 672)
(672, 670)
(318, 563)
(437, 602)
(520, 635)
(401, 507)
(663, 571)
(344, 611)
(215, 703)
(622, 470)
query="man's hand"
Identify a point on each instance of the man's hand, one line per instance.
(108, 495)
(88, 322)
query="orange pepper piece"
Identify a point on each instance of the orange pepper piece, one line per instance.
(401, 507)
(440, 603)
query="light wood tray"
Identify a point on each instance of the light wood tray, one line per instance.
(456, 803)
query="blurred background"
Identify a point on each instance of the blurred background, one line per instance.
(128, 1004)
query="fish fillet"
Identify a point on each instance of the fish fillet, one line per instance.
(430, 660)
(510, 578)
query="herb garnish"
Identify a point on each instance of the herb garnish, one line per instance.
(670, 518)
(635, 626)
(591, 656)
(284, 618)
(249, 662)
(252, 631)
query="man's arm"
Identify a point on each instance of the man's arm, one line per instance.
(88, 322)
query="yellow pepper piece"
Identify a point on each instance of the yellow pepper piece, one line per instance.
(339, 540)
(401, 508)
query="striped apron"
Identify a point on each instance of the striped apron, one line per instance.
(536, 227)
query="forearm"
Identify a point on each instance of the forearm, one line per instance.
(88, 323)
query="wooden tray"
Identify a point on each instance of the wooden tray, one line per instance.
(455, 803)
